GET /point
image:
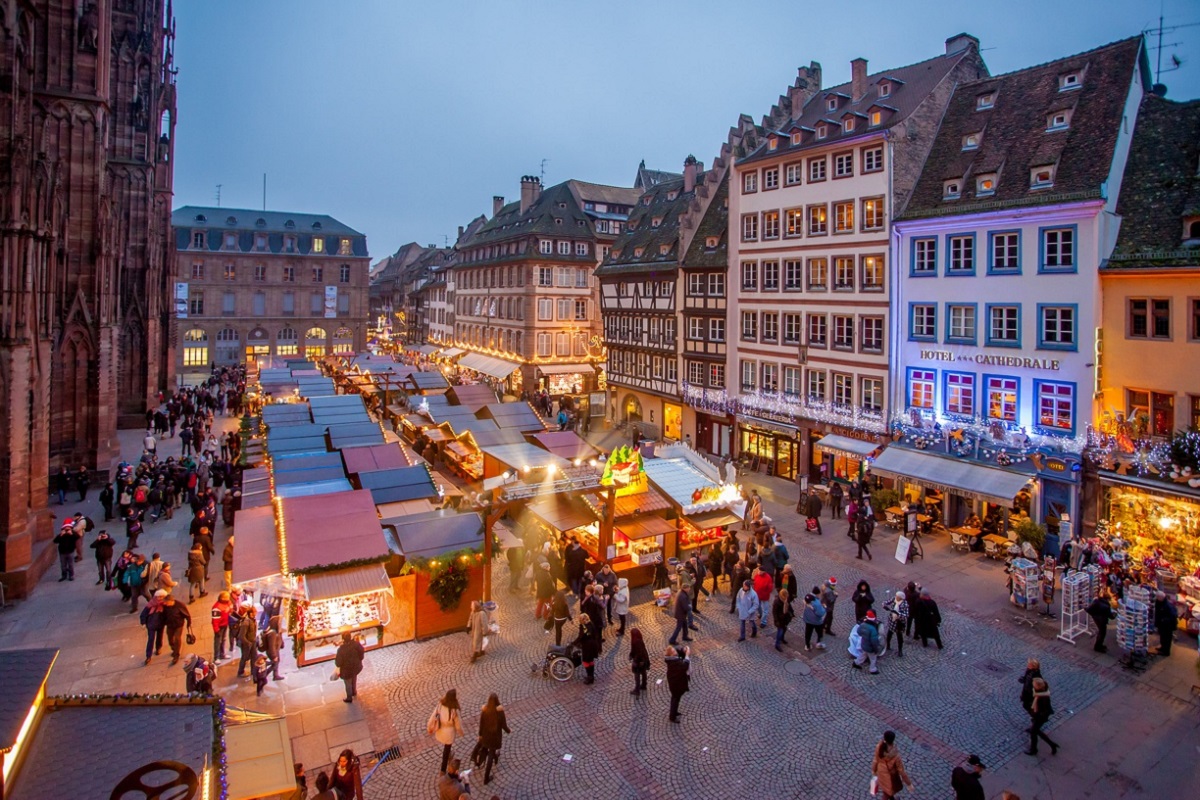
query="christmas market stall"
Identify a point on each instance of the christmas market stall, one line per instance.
(704, 504)
(567, 444)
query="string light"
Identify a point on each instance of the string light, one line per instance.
(789, 407)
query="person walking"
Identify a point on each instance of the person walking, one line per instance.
(739, 575)
(782, 614)
(176, 618)
(679, 663)
(620, 603)
(477, 627)
(813, 513)
(493, 724)
(62, 484)
(66, 541)
(912, 593)
(683, 607)
(763, 586)
(543, 583)
(863, 600)
(928, 620)
(862, 537)
(829, 598)
(561, 613)
(246, 635)
(227, 563)
(195, 573)
(83, 479)
(1101, 612)
(639, 660)
(345, 780)
(966, 778)
(1033, 669)
(106, 501)
(103, 546)
(888, 768)
(220, 623)
(272, 640)
(814, 620)
(588, 642)
(897, 619)
(133, 528)
(349, 663)
(135, 579)
(868, 631)
(1040, 710)
(1166, 621)
(748, 606)
(445, 724)
(152, 620)
(835, 499)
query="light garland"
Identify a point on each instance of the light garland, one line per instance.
(786, 406)
(1176, 460)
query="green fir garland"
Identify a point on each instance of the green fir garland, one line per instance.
(448, 575)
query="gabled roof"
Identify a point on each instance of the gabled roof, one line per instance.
(1014, 138)
(649, 178)
(909, 87)
(1161, 187)
(665, 202)
(714, 223)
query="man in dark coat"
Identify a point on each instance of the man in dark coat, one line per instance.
(965, 780)
(928, 619)
(349, 663)
(813, 510)
(1101, 613)
(678, 678)
(575, 562)
(1166, 620)
(835, 500)
(683, 607)
(103, 546)
(246, 636)
(176, 617)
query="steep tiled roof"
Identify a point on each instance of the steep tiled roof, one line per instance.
(909, 86)
(714, 223)
(1013, 137)
(275, 224)
(1160, 187)
(663, 202)
(649, 178)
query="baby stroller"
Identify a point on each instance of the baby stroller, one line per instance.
(560, 662)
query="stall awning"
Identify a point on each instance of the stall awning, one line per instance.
(452, 352)
(950, 474)
(423, 349)
(259, 761)
(458, 449)
(346, 582)
(519, 456)
(713, 519)
(566, 369)
(560, 513)
(645, 527)
(495, 367)
(256, 555)
(331, 529)
(435, 434)
(845, 446)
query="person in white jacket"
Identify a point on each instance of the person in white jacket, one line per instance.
(747, 608)
(621, 603)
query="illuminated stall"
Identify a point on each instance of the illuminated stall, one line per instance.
(705, 505)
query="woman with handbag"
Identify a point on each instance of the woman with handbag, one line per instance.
(493, 724)
(887, 770)
(445, 724)
(639, 660)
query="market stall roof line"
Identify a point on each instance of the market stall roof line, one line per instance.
(257, 545)
(677, 478)
(473, 396)
(373, 457)
(561, 513)
(346, 582)
(437, 532)
(525, 454)
(935, 472)
(258, 755)
(493, 367)
(708, 520)
(567, 444)
(565, 369)
(451, 352)
(313, 488)
(331, 529)
(1149, 484)
(22, 673)
(845, 446)
(645, 527)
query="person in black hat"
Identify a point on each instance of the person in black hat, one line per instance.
(965, 779)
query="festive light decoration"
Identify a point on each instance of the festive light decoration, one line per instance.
(789, 407)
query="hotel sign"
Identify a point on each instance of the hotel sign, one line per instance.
(989, 360)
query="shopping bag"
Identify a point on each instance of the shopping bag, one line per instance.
(337, 673)
(486, 642)
(874, 790)
(811, 523)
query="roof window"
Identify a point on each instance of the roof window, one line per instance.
(1058, 121)
(772, 143)
(289, 224)
(796, 137)
(260, 223)
(985, 185)
(1041, 177)
(985, 101)
(316, 226)
(201, 218)
(711, 242)
(952, 190)
(885, 89)
(1069, 81)
(231, 220)
(831, 104)
(822, 131)
(848, 124)
(971, 141)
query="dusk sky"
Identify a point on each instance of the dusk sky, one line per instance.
(403, 119)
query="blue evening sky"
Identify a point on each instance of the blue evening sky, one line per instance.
(402, 119)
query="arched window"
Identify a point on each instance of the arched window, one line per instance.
(195, 348)
(343, 341)
(314, 342)
(285, 342)
(315, 333)
(1194, 230)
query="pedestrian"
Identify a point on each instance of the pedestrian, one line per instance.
(106, 501)
(928, 620)
(135, 579)
(715, 564)
(588, 642)
(620, 603)
(177, 619)
(1166, 620)
(543, 583)
(62, 484)
(813, 513)
(593, 605)
(200, 675)
(683, 607)
(639, 660)
(203, 537)
(829, 598)
(1033, 669)
(493, 724)
(863, 600)
(748, 606)
(133, 528)
(477, 627)
(153, 621)
(678, 661)
(165, 579)
(227, 563)
(103, 546)
(83, 479)
(1101, 613)
(258, 674)
(348, 663)
(221, 611)
(272, 641)
(912, 593)
(897, 619)
(888, 769)
(345, 780)
(246, 636)
(451, 784)
(763, 586)
(786, 579)
(1040, 710)
(782, 614)
(868, 632)
(445, 725)
(862, 537)
(516, 566)
(66, 541)
(561, 612)
(814, 620)
(195, 573)
(835, 499)
(575, 563)
(966, 778)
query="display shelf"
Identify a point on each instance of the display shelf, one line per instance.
(1025, 583)
(1076, 596)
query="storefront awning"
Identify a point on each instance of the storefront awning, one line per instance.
(845, 446)
(346, 582)
(1181, 490)
(950, 474)
(713, 519)
(495, 367)
(566, 369)
(452, 352)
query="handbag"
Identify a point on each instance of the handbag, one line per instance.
(811, 523)
(431, 727)
(874, 789)
(191, 637)
(337, 673)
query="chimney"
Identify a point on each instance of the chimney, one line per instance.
(690, 168)
(531, 190)
(960, 42)
(808, 83)
(858, 79)
(460, 232)
(497, 204)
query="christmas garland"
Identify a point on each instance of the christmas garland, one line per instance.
(448, 575)
(358, 562)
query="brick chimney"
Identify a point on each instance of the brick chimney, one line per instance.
(497, 204)
(808, 83)
(960, 42)
(691, 168)
(531, 190)
(858, 79)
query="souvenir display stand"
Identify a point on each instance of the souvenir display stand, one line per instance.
(1076, 596)
(1025, 583)
(1133, 635)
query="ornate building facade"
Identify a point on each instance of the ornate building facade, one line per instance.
(86, 141)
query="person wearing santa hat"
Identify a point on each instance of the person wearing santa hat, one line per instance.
(868, 629)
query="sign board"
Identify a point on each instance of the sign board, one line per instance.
(181, 300)
(330, 302)
(902, 548)
(596, 404)
(624, 471)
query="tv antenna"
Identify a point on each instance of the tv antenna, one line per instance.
(219, 195)
(1175, 62)
(543, 175)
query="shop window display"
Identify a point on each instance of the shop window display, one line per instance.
(1151, 522)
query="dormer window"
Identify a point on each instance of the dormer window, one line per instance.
(260, 241)
(671, 195)
(772, 143)
(637, 252)
(231, 220)
(1069, 81)
(985, 101)
(951, 190)
(710, 242)
(971, 141)
(822, 131)
(260, 223)
(198, 239)
(1191, 230)
(885, 89)
(1041, 177)
(876, 119)
(848, 124)
(345, 247)
(646, 200)
(201, 218)
(796, 138)
(831, 104)
(562, 205)
(654, 223)
(318, 244)
(985, 185)
(663, 249)
(289, 224)
(1058, 121)
(230, 241)
(316, 226)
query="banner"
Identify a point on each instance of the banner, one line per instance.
(181, 300)
(330, 302)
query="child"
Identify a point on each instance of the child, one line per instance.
(259, 673)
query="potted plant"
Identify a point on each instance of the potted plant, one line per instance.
(1027, 530)
(883, 499)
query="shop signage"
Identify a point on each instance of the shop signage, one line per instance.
(769, 421)
(625, 471)
(850, 433)
(990, 360)
(181, 300)
(1056, 465)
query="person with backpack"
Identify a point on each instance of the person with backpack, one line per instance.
(814, 621)
(868, 632)
(201, 674)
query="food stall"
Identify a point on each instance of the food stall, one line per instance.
(568, 444)
(844, 458)
(706, 506)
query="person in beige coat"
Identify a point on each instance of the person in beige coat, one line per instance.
(445, 724)
(888, 769)
(477, 625)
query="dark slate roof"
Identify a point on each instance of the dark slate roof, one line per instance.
(649, 178)
(714, 223)
(664, 202)
(1160, 187)
(247, 222)
(431, 533)
(909, 87)
(1014, 138)
(22, 673)
(85, 749)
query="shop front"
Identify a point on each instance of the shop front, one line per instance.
(1153, 515)
(842, 458)
(714, 434)
(704, 505)
(503, 376)
(352, 600)
(572, 379)
(770, 446)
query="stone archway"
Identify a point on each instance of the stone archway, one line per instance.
(631, 408)
(131, 376)
(72, 412)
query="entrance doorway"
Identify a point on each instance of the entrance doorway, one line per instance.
(633, 409)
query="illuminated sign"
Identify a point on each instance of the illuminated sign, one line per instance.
(989, 360)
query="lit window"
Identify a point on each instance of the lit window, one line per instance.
(843, 389)
(1002, 398)
(818, 274)
(848, 124)
(796, 138)
(818, 221)
(872, 394)
(1056, 405)
(770, 223)
(843, 274)
(876, 118)
(318, 244)
(821, 131)
(872, 273)
(920, 388)
(872, 214)
(345, 247)
(793, 222)
(960, 394)
(1041, 177)
(816, 385)
(843, 217)
(985, 185)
